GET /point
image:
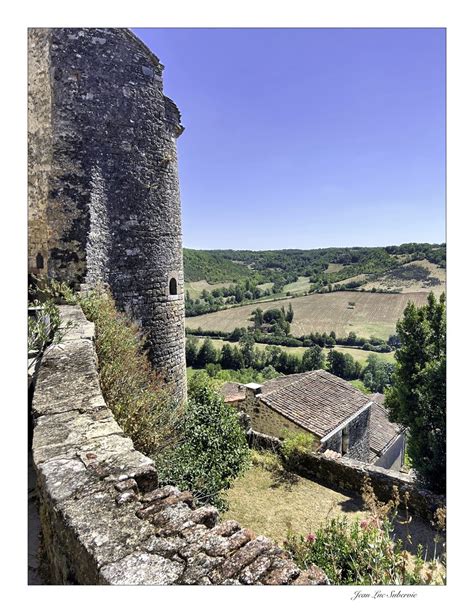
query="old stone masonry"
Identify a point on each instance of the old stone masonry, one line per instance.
(103, 518)
(104, 203)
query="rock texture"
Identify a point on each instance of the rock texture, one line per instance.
(104, 519)
(104, 201)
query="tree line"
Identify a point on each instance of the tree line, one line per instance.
(376, 375)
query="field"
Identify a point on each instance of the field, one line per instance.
(371, 315)
(334, 267)
(387, 282)
(358, 354)
(195, 288)
(298, 287)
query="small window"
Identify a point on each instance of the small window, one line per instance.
(173, 287)
(345, 440)
(39, 261)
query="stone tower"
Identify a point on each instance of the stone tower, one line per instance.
(103, 192)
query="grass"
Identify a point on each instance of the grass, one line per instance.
(259, 501)
(265, 286)
(271, 502)
(359, 385)
(373, 314)
(334, 267)
(298, 287)
(195, 288)
(137, 396)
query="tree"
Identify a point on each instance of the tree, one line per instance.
(247, 343)
(336, 363)
(377, 374)
(207, 354)
(313, 359)
(290, 314)
(213, 451)
(417, 398)
(257, 318)
(191, 351)
(227, 357)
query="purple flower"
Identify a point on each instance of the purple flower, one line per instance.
(310, 538)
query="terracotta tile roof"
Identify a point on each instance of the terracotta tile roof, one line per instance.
(317, 400)
(382, 432)
(233, 392)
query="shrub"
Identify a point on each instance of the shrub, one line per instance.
(213, 450)
(43, 327)
(363, 552)
(137, 396)
(294, 444)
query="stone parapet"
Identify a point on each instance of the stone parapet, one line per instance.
(104, 518)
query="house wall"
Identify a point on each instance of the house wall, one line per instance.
(358, 438)
(266, 420)
(393, 457)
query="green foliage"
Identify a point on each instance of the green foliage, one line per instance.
(364, 552)
(43, 326)
(294, 444)
(313, 359)
(133, 390)
(46, 289)
(343, 365)
(417, 398)
(213, 450)
(192, 350)
(359, 385)
(212, 266)
(207, 354)
(377, 374)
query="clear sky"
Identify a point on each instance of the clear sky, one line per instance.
(307, 138)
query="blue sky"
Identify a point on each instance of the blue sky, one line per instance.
(307, 138)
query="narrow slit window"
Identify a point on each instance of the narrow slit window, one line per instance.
(39, 261)
(345, 440)
(173, 287)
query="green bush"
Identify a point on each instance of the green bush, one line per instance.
(213, 450)
(43, 327)
(294, 444)
(133, 390)
(365, 552)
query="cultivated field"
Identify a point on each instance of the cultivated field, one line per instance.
(371, 314)
(358, 354)
(298, 287)
(411, 285)
(195, 288)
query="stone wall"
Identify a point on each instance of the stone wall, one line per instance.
(104, 519)
(265, 420)
(349, 474)
(104, 202)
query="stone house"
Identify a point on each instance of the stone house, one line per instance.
(339, 417)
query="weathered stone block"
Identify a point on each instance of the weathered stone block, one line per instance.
(142, 569)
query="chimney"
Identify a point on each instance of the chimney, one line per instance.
(253, 389)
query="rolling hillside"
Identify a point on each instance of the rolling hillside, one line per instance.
(372, 313)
